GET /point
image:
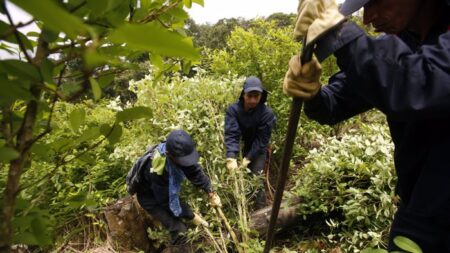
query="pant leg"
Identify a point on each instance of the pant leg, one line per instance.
(162, 213)
(432, 234)
(257, 168)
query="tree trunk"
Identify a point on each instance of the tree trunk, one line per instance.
(127, 225)
(287, 217)
(24, 138)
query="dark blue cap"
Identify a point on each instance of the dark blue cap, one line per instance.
(253, 83)
(181, 147)
(350, 6)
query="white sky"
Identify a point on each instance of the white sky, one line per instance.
(218, 9)
(248, 9)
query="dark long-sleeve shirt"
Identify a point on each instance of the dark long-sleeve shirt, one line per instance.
(409, 81)
(157, 186)
(254, 127)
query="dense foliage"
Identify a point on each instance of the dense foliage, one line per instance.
(80, 145)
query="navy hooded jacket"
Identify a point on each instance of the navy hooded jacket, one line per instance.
(254, 127)
(409, 81)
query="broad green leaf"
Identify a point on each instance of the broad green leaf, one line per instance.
(113, 134)
(95, 88)
(98, 7)
(13, 90)
(77, 200)
(47, 70)
(154, 38)
(8, 154)
(157, 60)
(77, 117)
(87, 158)
(49, 35)
(20, 69)
(178, 13)
(114, 137)
(91, 133)
(374, 251)
(407, 244)
(199, 2)
(187, 3)
(62, 144)
(27, 238)
(106, 80)
(40, 232)
(54, 16)
(42, 151)
(134, 113)
(4, 27)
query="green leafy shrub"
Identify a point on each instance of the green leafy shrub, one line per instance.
(354, 177)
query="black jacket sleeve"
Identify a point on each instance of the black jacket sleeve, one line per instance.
(232, 132)
(335, 102)
(388, 74)
(197, 176)
(263, 134)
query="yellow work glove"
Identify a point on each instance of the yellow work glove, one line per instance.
(232, 164)
(245, 162)
(214, 200)
(315, 17)
(197, 220)
(302, 81)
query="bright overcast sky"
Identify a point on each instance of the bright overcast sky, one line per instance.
(248, 9)
(218, 9)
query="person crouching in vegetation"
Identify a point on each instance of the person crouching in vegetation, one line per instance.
(164, 168)
(252, 121)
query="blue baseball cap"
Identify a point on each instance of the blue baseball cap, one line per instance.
(181, 147)
(253, 83)
(350, 6)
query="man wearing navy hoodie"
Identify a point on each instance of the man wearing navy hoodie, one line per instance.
(251, 121)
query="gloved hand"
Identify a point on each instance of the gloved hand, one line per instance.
(197, 220)
(245, 162)
(302, 81)
(232, 163)
(214, 200)
(315, 17)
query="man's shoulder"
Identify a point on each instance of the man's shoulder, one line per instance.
(234, 107)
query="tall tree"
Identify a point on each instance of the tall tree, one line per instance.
(96, 38)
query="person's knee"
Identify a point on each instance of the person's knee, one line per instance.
(423, 230)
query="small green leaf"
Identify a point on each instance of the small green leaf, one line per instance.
(4, 27)
(154, 38)
(49, 35)
(407, 244)
(157, 60)
(43, 151)
(77, 117)
(87, 158)
(95, 88)
(13, 90)
(134, 113)
(8, 154)
(27, 238)
(40, 231)
(199, 2)
(47, 70)
(374, 251)
(187, 3)
(91, 133)
(54, 16)
(112, 135)
(106, 80)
